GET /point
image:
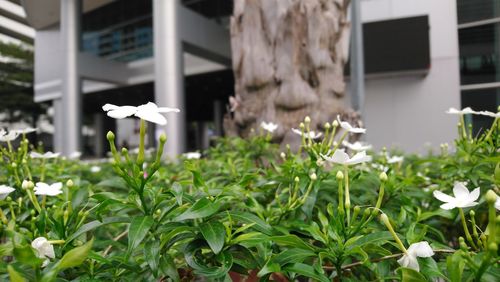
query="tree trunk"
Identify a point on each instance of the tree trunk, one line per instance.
(288, 62)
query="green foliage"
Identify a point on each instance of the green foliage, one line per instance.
(246, 208)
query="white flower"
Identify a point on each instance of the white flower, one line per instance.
(454, 111)
(269, 126)
(357, 146)
(95, 169)
(192, 155)
(420, 249)
(8, 136)
(150, 112)
(310, 134)
(4, 191)
(497, 203)
(348, 127)
(462, 199)
(341, 157)
(26, 130)
(47, 155)
(490, 114)
(48, 190)
(75, 155)
(395, 159)
(43, 248)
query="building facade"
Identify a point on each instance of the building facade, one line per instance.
(14, 28)
(421, 57)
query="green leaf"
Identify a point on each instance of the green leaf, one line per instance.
(455, 266)
(14, 275)
(93, 225)
(137, 230)
(152, 255)
(307, 271)
(372, 238)
(168, 267)
(259, 224)
(202, 208)
(292, 256)
(410, 275)
(27, 255)
(178, 192)
(215, 233)
(114, 182)
(224, 261)
(75, 257)
(292, 241)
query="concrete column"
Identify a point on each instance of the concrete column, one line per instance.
(58, 117)
(169, 73)
(71, 98)
(357, 58)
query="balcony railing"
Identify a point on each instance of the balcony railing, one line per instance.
(125, 42)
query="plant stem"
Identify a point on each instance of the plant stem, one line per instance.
(466, 229)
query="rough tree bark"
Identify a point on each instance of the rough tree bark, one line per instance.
(288, 62)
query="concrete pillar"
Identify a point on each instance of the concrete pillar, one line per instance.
(71, 98)
(357, 58)
(58, 117)
(169, 73)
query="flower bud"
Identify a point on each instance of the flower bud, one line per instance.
(307, 119)
(493, 247)
(297, 179)
(110, 136)
(24, 161)
(384, 219)
(383, 176)
(340, 175)
(26, 184)
(313, 176)
(283, 155)
(491, 197)
(472, 213)
(14, 165)
(327, 125)
(124, 151)
(335, 123)
(8, 199)
(367, 212)
(69, 183)
(158, 212)
(302, 125)
(163, 138)
(320, 162)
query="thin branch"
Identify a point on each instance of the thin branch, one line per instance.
(108, 249)
(347, 266)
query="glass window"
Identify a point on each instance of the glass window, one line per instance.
(481, 100)
(477, 10)
(480, 54)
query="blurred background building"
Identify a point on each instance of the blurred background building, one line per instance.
(421, 57)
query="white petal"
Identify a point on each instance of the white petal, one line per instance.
(36, 155)
(468, 204)
(460, 191)
(151, 116)
(109, 107)
(421, 249)
(359, 158)
(339, 157)
(448, 206)
(474, 195)
(296, 131)
(168, 110)
(122, 112)
(56, 186)
(497, 203)
(443, 197)
(409, 262)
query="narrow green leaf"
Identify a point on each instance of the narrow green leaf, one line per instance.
(307, 271)
(455, 266)
(137, 230)
(215, 233)
(75, 257)
(168, 268)
(94, 224)
(202, 208)
(292, 256)
(245, 217)
(14, 275)
(292, 241)
(152, 255)
(410, 275)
